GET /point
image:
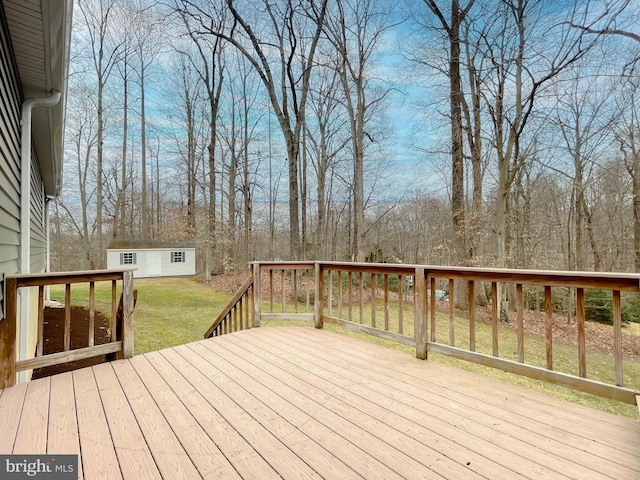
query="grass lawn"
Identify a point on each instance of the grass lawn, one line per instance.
(174, 311)
(169, 311)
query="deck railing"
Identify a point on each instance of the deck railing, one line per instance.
(237, 315)
(406, 304)
(121, 320)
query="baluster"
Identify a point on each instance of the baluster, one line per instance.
(92, 306)
(295, 290)
(452, 320)
(373, 300)
(67, 317)
(472, 315)
(548, 326)
(400, 304)
(520, 320)
(582, 352)
(40, 346)
(339, 293)
(617, 337)
(361, 298)
(495, 302)
(386, 301)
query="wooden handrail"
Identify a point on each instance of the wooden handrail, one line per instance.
(122, 346)
(239, 295)
(335, 302)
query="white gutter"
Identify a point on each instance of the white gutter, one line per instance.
(25, 212)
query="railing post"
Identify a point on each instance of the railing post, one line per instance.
(257, 296)
(318, 294)
(420, 326)
(127, 314)
(8, 335)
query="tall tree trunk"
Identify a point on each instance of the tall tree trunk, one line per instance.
(122, 204)
(143, 158)
(99, 168)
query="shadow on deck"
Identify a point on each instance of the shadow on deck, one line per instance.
(304, 403)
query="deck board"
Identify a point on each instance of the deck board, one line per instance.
(133, 452)
(304, 403)
(99, 459)
(170, 456)
(312, 452)
(197, 443)
(11, 402)
(511, 431)
(32, 434)
(63, 421)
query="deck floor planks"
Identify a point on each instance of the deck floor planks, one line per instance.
(300, 402)
(336, 454)
(11, 402)
(234, 455)
(134, 457)
(312, 452)
(205, 440)
(62, 435)
(268, 445)
(387, 445)
(171, 458)
(517, 427)
(99, 459)
(520, 429)
(32, 433)
(419, 428)
(577, 415)
(455, 381)
(532, 408)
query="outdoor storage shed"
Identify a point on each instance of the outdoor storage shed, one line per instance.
(153, 258)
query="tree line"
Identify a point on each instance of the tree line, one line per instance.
(484, 133)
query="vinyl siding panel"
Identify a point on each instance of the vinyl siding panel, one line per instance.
(38, 233)
(10, 108)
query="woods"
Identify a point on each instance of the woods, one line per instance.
(450, 133)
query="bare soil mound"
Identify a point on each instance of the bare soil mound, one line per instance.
(54, 337)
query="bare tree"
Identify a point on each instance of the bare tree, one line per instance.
(104, 48)
(451, 27)
(82, 135)
(326, 141)
(356, 29)
(285, 75)
(210, 66)
(628, 137)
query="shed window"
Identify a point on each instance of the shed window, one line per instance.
(178, 257)
(128, 258)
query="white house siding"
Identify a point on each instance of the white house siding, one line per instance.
(10, 110)
(145, 270)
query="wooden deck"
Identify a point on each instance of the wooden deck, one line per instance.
(303, 403)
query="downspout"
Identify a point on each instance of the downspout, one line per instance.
(25, 212)
(47, 226)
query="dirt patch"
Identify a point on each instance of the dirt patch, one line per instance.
(54, 337)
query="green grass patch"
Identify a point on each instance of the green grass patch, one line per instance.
(169, 311)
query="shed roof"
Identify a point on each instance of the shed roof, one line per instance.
(148, 244)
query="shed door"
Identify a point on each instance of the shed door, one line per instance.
(154, 263)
